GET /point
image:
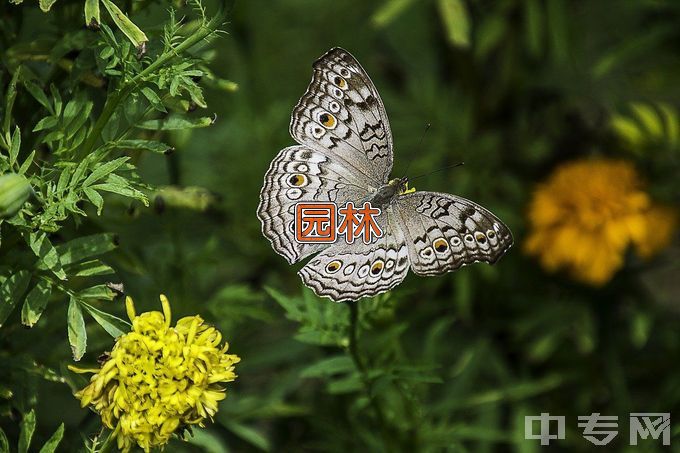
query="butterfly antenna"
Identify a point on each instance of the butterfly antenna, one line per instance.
(459, 164)
(420, 142)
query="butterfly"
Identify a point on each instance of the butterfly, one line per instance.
(343, 154)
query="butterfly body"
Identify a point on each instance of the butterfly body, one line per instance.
(344, 155)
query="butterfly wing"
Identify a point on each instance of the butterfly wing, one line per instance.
(352, 271)
(341, 114)
(445, 232)
(300, 174)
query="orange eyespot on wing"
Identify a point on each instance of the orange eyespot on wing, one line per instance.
(340, 82)
(327, 120)
(297, 180)
(377, 267)
(440, 245)
(333, 266)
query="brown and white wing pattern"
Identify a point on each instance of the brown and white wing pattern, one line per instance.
(300, 174)
(445, 232)
(341, 113)
(352, 271)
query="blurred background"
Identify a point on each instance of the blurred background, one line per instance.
(566, 116)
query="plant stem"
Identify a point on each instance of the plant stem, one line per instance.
(366, 380)
(128, 87)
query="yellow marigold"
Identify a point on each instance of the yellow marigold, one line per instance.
(586, 215)
(159, 378)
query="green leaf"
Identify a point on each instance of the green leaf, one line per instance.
(86, 247)
(38, 94)
(129, 29)
(45, 5)
(43, 249)
(11, 291)
(349, 384)
(89, 269)
(14, 192)
(249, 434)
(389, 11)
(648, 118)
(123, 189)
(97, 292)
(207, 441)
(15, 144)
(149, 145)
(113, 325)
(456, 21)
(4, 443)
(94, 197)
(52, 443)
(77, 336)
(153, 98)
(104, 170)
(92, 18)
(35, 302)
(329, 367)
(173, 123)
(291, 306)
(27, 163)
(46, 123)
(27, 430)
(10, 96)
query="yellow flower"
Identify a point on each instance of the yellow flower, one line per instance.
(584, 218)
(159, 378)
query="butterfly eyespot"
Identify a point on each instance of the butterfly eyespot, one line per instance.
(348, 269)
(389, 264)
(363, 271)
(317, 131)
(455, 241)
(377, 267)
(491, 234)
(302, 168)
(334, 107)
(337, 92)
(333, 266)
(294, 194)
(297, 180)
(469, 238)
(426, 252)
(344, 72)
(440, 245)
(340, 82)
(480, 237)
(327, 120)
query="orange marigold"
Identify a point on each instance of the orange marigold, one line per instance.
(586, 215)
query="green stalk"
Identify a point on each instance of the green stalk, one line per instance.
(128, 87)
(361, 366)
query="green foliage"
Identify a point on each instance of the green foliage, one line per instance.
(128, 164)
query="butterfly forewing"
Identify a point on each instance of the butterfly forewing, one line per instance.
(299, 174)
(341, 113)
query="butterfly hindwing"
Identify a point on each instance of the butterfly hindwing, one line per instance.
(445, 232)
(352, 271)
(299, 174)
(342, 113)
